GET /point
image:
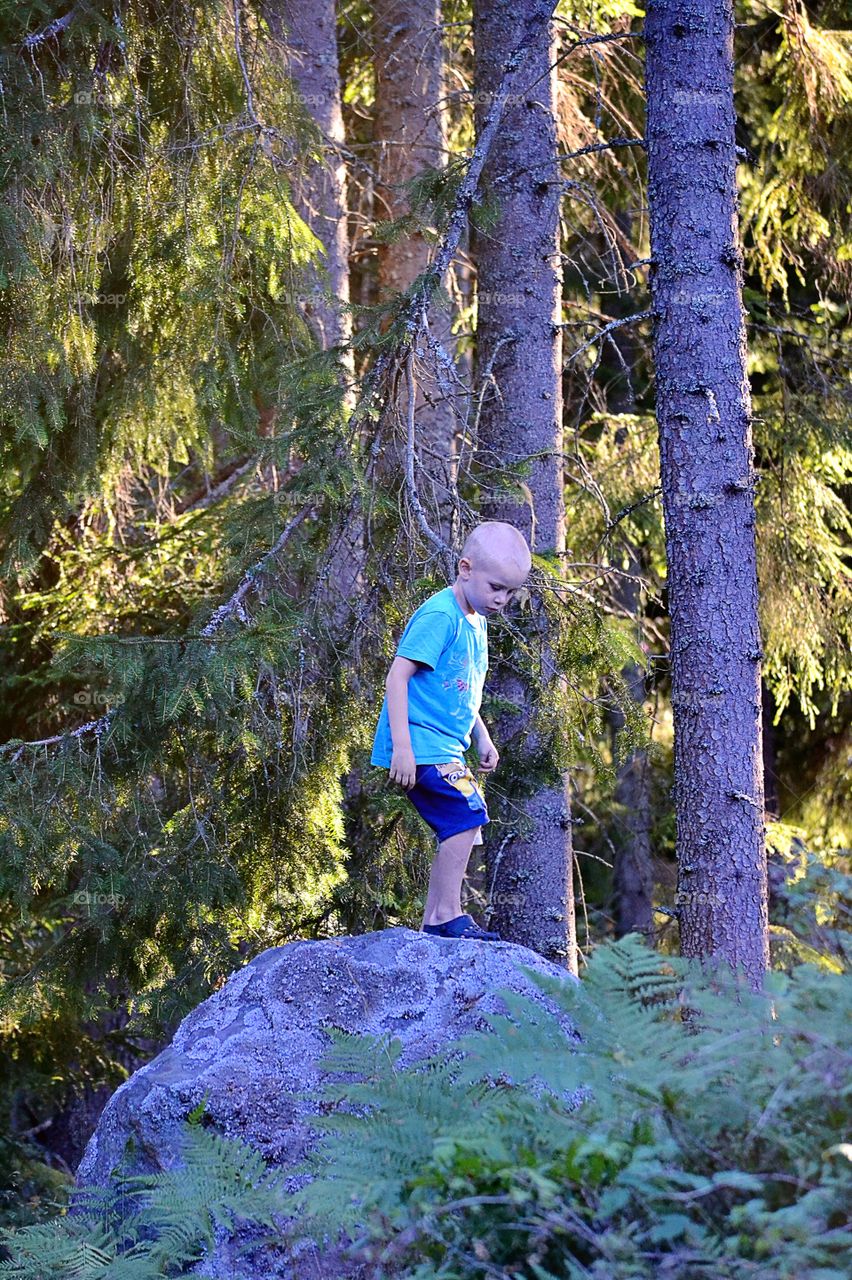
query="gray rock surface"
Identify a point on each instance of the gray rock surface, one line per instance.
(253, 1047)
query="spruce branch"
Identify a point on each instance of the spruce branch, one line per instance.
(265, 133)
(238, 48)
(656, 492)
(54, 28)
(234, 606)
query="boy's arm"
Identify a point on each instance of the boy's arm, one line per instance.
(488, 754)
(403, 768)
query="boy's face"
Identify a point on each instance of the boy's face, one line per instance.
(489, 586)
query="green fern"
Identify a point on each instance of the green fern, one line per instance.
(690, 1129)
(152, 1225)
(686, 1098)
(396, 1118)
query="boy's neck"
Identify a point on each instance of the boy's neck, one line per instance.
(460, 597)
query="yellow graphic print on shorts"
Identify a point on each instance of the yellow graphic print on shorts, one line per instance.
(459, 776)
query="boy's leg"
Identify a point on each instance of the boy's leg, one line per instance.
(443, 901)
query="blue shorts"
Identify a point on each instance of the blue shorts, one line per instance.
(447, 796)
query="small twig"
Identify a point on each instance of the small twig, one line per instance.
(235, 604)
(218, 491)
(238, 45)
(38, 1128)
(585, 41)
(97, 726)
(601, 146)
(626, 511)
(510, 835)
(615, 324)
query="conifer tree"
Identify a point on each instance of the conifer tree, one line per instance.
(307, 42)
(150, 253)
(519, 355)
(410, 134)
(632, 868)
(707, 476)
(307, 39)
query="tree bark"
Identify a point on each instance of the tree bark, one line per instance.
(772, 801)
(308, 33)
(633, 871)
(519, 342)
(704, 419)
(410, 135)
(633, 867)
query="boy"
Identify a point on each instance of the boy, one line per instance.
(431, 709)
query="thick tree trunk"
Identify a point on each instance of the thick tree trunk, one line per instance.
(519, 309)
(704, 418)
(410, 135)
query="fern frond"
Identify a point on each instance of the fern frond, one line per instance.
(64, 1248)
(220, 1181)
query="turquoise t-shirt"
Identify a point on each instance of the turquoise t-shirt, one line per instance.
(445, 694)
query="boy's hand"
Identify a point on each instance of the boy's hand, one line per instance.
(488, 753)
(403, 767)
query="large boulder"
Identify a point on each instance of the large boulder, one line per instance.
(252, 1049)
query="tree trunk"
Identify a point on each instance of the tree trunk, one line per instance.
(632, 873)
(410, 135)
(778, 867)
(633, 868)
(772, 800)
(308, 33)
(519, 309)
(704, 419)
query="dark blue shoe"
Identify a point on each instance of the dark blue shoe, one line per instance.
(461, 927)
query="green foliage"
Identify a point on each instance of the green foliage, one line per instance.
(152, 280)
(687, 1126)
(796, 97)
(803, 443)
(812, 910)
(148, 253)
(152, 261)
(794, 94)
(705, 1146)
(430, 196)
(30, 1191)
(148, 1226)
